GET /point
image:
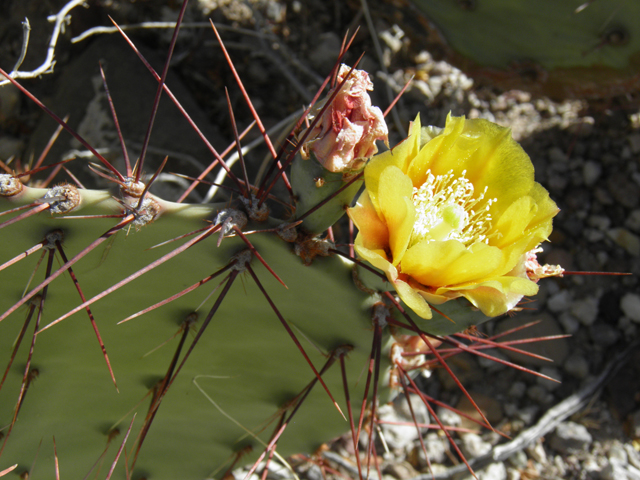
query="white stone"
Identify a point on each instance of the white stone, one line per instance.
(585, 310)
(630, 305)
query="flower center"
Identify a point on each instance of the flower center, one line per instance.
(446, 210)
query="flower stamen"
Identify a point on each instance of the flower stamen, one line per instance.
(445, 210)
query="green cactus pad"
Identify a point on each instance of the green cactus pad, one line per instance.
(245, 361)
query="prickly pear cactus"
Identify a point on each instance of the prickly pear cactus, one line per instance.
(186, 339)
(566, 49)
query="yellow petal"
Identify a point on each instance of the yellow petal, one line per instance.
(372, 231)
(413, 299)
(438, 264)
(395, 191)
(400, 156)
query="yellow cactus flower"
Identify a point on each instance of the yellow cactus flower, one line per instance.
(454, 213)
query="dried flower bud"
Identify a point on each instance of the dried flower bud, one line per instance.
(345, 136)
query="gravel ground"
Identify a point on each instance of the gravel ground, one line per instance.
(586, 155)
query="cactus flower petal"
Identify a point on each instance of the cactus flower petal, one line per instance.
(455, 213)
(345, 136)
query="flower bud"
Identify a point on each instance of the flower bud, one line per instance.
(345, 135)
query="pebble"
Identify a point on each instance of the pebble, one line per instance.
(560, 301)
(570, 437)
(518, 460)
(401, 436)
(540, 395)
(448, 417)
(633, 221)
(577, 366)
(614, 471)
(634, 142)
(585, 310)
(630, 305)
(591, 172)
(627, 240)
(603, 334)
(537, 452)
(569, 323)
(549, 385)
(474, 446)
(517, 389)
(437, 448)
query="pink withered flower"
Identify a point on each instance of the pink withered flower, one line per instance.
(345, 136)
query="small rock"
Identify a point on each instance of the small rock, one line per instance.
(630, 305)
(577, 366)
(625, 239)
(633, 457)
(540, 395)
(518, 460)
(570, 437)
(517, 389)
(556, 155)
(493, 471)
(585, 310)
(599, 221)
(557, 349)
(537, 452)
(604, 334)
(614, 471)
(560, 302)
(591, 172)
(448, 417)
(401, 436)
(634, 142)
(437, 448)
(528, 414)
(633, 221)
(569, 323)
(549, 385)
(618, 453)
(634, 424)
(473, 445)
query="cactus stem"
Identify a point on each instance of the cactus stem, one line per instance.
(258, 256)
(353, 179)
(129, 219)
(293, 337)
(177, 295)
(32, 306)
(158, 395)
(58, 245)
(263, 192)
(124, 441)
(38, 207)
(30, 373)
(282, 424)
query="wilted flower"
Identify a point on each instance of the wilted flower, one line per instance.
(345, 136)
(454, 213)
